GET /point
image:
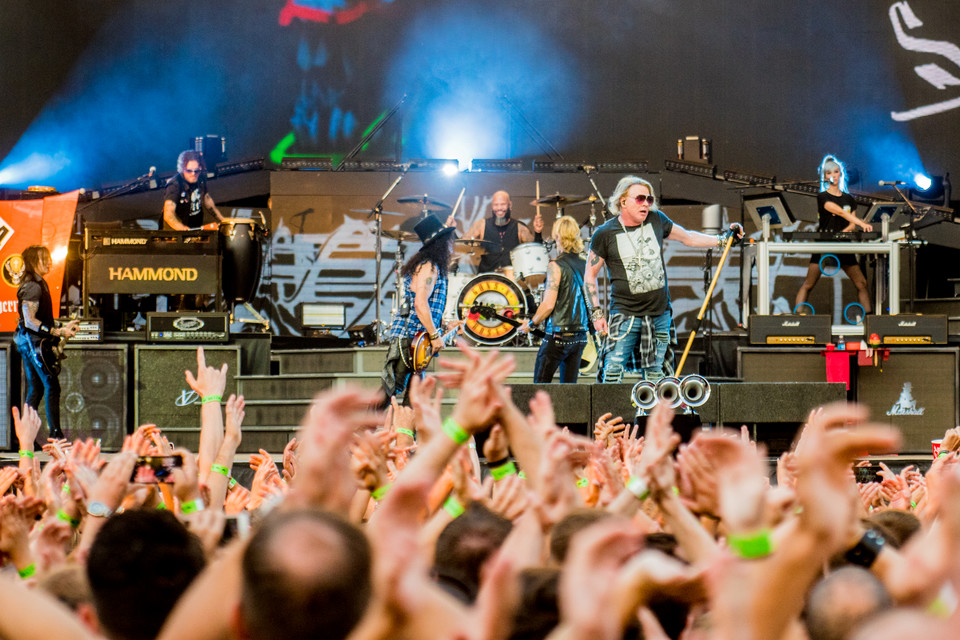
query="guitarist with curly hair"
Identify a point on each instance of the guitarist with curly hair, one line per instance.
(37, 338)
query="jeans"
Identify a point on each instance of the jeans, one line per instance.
(559, 352)
(616, 360)
(40, 382)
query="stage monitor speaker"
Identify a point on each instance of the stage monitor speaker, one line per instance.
(781, 364)
(93, 394)
(163, 396)
(916, 390)
(761, 402)
(571, 403)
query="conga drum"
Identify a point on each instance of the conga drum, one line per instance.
(241, 242)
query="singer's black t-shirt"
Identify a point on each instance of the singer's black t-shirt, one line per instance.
(634, 259)
(188, 198)
(830, 221)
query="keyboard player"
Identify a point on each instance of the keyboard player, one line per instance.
(186, 203)
(837, 210)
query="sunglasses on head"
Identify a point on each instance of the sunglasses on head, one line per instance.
(647, 199)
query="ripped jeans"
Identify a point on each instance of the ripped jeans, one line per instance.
(628, 338)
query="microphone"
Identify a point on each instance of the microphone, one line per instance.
(891, 183)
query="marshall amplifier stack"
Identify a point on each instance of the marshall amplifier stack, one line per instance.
(787, 330)
(188, 327)
(906, 329)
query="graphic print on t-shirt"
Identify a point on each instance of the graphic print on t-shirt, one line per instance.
(645, 274)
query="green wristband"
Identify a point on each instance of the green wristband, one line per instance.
(582, 482)
(453, 507)
(232, 483)
(211, 398)
(407, 432)
(28, 571)
(455, 431)
(192, 506)
(943, 454)
(757, 544)
(502, 471)
(26, 454)
(378, 493)
(162, 506)
(639, 488)
(522, 475)
(222, 470)
(63, 516)
(913, 504)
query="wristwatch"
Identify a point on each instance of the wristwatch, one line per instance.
(99, 510)
(865, 552)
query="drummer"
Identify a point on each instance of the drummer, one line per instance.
(186, 203)
(505, 233)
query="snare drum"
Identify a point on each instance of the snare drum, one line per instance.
(529, 262)
(242, 243)
(501, 294)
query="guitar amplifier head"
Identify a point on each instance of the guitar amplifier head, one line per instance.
(908, 329)
(786, 330)
(188, 327)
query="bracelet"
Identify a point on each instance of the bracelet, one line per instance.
(502, 471)
(232, 483)
(378, 493)
(596, 313)
(757, 544)
(63, 516)
(407, 432)
(582, 482)
(639, 488)
(26, 454)
(222, 470)
(453, 507)
(720, 241)
(435, 335)
(192, 506)
(212, 398)
(28, 571)
(455, 431)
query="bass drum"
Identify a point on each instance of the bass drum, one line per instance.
(529, 263)
(499, 293)
(241, 241)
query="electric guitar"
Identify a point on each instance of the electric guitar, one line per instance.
(421, 352)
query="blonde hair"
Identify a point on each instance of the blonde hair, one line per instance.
(567, 232)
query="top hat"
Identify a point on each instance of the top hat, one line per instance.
(430, 229)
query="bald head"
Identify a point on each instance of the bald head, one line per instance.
(501, 204)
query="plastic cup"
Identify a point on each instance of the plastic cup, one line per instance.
(936, 447)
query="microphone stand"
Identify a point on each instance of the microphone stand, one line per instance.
(605, 212)
(373, 131)
(377, 213)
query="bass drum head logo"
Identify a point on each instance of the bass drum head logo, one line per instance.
(188, 324)
(12, 270)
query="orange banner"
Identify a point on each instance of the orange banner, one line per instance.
(47, 221)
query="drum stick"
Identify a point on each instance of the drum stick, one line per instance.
(538, 197)
(456, 205)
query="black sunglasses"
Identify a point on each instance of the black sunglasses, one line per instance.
(647, 199)
(191, 170)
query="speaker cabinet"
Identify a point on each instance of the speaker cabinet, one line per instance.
(571, 403)
(781, 364)
(163, 396)
(612, 398)
(93, 394)
(6, 375)
(916, 390)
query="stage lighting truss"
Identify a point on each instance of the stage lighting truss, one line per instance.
(757, 179)
(478, 164)
(370, 165)
(306, 163)
(435, 164)
(617, 166)
(693, 168)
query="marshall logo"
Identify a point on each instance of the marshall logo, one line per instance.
(790, 323)
(163, 274)
(907, 323)
(905, 404)
(111, 241)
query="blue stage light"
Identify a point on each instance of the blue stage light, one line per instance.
(923, 182)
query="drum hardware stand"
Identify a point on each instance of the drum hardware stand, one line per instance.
(398, 281)
(256, 319)
(377, 213)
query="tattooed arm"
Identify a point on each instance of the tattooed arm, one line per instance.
(590, 279)
(424, 279)
(550, 291)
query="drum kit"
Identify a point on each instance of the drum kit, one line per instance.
(514, 292)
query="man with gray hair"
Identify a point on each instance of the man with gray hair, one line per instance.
(631, 247)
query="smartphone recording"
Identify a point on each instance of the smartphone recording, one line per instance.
(154, 469)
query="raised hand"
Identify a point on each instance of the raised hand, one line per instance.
(26, 425)
(209, 381)
(235, 414)
(426, 396)
(290, 460)
(607, 428)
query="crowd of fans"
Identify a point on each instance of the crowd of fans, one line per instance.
(388, 526)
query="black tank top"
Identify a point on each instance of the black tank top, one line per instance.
(570, 310)
(506, 238)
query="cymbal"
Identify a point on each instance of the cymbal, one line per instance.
(557, 199)
(589, 200)
(402, 236)
(472, 247)
(386, 213)
(424, 199)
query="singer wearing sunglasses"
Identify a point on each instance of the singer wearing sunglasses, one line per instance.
(837, 210)
(630, 245)
(186, 203)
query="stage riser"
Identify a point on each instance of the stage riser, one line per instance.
(283, 388)
(370, 360)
